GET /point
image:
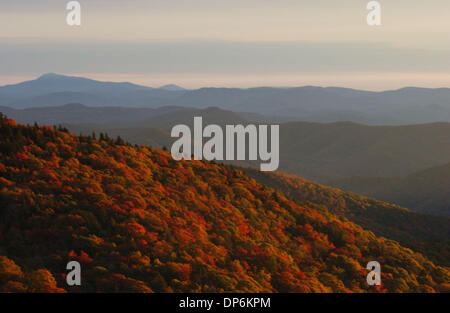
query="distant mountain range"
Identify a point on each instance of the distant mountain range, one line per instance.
(315, 104)
(52, 89)
(123, 210)
(406, 165)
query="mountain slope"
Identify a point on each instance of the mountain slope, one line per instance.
(326, 153)
(317, 104)
(76, 113)
(144, 126)
(424, 191)
(427, 233)
(52, 89)
(164, 117)
(139, 221)
(172, 87)
(52, 83)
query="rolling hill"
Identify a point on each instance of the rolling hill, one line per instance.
(424, 191)
(390, 163)
(138, 221)
(321, 152)
(76, 113)
(318, 151)
(144, 126)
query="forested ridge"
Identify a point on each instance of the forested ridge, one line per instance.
(428, 234)
(138, 221)
(425, 191)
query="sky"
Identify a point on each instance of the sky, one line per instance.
(230, 43)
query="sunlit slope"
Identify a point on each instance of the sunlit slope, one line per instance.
(139, 221)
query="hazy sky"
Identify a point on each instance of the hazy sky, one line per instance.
(243, 43)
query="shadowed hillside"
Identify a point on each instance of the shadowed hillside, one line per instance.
(425, 191)
(427, 233)
(323, 152)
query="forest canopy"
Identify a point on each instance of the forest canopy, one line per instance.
(138, 221)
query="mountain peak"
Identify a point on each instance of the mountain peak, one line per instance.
(50, 76)
(172, 87)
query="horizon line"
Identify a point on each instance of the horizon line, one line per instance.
(86, 76)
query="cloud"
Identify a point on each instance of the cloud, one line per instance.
(217, 57)
(232, 39)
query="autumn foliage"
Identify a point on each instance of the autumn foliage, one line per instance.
(138, 221)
